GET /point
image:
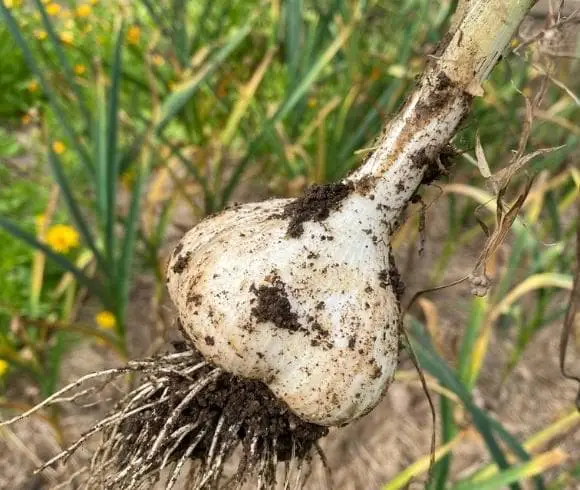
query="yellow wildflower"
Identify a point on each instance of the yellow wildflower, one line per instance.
(312, 102)
(40, 35)
(133, 35)
(83, 10)
(32, 86)
(62, 238)
(66, 37)
(12, 3)
(80, 69)
(3, 367)
(105, 319)
(53, 9)
(58, 147)
(94, 2)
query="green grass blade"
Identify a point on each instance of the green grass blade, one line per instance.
(63, 120)
(175, 103)
(64, 64)
(532, 468)
(475, 323)
(437, 367)
(74, 210)
(293, 41)
(129, 239)
(99, 139)
(112, 159)
(58, 259)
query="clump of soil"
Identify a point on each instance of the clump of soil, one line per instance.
(273, 306)
(314, 205)
(181, 263)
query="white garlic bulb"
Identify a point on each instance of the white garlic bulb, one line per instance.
(302, 294)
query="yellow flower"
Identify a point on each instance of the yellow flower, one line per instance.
(80, 69)
(105, 319)
(53, 9)
(32, 86)
(94, 2)
(58, 147)
(133, 35)
(83, 10)
(3, 367)
(312, 102)
(62, 238)
(66, 37)
(12, 3)
(40, 35)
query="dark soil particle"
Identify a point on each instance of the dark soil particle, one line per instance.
(273, 306)
(314, 205)
(396, 281)
(178, 249)
(365, 185)
(181, 263)
(209, 340)
(194, 298)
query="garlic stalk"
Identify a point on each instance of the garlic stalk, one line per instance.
(302, 294)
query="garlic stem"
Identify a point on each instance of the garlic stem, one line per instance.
(414, 138)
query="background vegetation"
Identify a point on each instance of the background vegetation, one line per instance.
(124, 122)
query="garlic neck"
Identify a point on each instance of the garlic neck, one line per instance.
(412, 141)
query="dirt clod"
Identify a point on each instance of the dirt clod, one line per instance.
(314, 205)
(181, 263)
(274, 306)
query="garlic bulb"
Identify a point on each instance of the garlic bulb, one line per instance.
(303, 294)
(308, 307)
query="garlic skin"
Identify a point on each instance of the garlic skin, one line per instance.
(314, 317)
